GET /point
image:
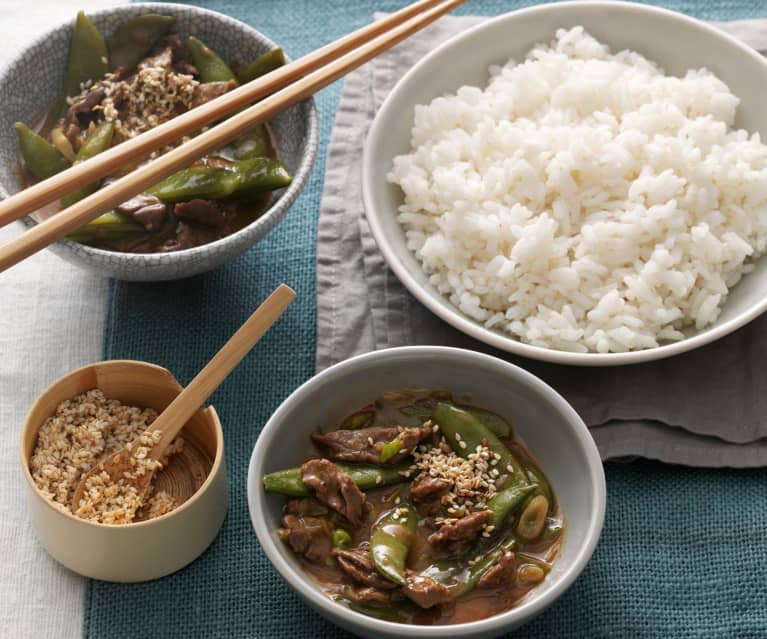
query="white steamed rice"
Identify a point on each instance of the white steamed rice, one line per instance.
(585, 201)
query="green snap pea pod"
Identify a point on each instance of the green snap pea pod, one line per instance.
(196, 182)
(464, 433)
(390, 541)
(341, 538)
(108, 226)
(258, 175)
(391, 449)
(492, 420)
(357, 420)
(99, 140)
(367, 477)
(62, 143)
(252, 144)
(262, 65)
(506, 501)
(247, 177)
(41, 158)
(133, 40)
(88, 57)
(209, 64)
(536, 476)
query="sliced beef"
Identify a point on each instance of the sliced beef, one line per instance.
(186, 68)
(73, 133)
(208, 91)
(162, 60)
(307, 536)
(456, 538)
(147, 210)
(425, 592)
(83, 106)
(188, 235)
(358, 564)
(426, 487)
(365, 444)
(335, 489)
(501, 574)
(207, 212)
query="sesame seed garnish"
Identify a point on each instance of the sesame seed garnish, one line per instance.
(370, 441)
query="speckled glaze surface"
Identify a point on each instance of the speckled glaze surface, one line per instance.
(31, 81)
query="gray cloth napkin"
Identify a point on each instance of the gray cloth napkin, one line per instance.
(704, 408)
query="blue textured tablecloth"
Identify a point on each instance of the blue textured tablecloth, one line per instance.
(683, 552)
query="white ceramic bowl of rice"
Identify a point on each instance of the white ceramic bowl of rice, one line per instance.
(599, 201)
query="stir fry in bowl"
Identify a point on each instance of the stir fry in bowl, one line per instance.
(422, 509)
(142, 76)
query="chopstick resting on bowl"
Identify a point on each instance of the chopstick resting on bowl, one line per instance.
(284, 87)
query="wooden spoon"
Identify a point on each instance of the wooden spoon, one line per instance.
(178, 412)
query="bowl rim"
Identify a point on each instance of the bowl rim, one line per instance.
(439, 304)
(215, 468)
(530, 606)
(266, 221)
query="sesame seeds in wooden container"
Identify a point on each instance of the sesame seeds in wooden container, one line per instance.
(83, 416)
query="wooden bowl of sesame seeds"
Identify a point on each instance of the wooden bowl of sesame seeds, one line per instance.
(87, 414)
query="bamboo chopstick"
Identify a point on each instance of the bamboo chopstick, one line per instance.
(66, 221)
(41, 193)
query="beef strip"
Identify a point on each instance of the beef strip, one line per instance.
(501, 574)
(84, 104)
(208, 91)
(161, 60)
(426, 487)
(358, 564)
(365, 444)
(335, 489)
(425, 592)
(307, 536)
(207, 212)
(147, 210)
(189, 235)
(456, 538)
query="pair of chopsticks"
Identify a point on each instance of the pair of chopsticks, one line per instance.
(284, 87)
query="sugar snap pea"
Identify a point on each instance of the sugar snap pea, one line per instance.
(492, 420)
(367, 477)
(391, 449)
(41, 158)
(390, 541)
(88, 56)
(252, 144)
(195, 182)
(108, 226)
(131, 41)
(464, 433)
(210, 65)
(263, 64)
(245, 178)
(99, 140)
(505, 501)
(341, 538)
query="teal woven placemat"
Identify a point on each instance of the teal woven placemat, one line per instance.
(683, 551)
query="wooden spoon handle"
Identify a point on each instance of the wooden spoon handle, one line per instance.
(178, 412)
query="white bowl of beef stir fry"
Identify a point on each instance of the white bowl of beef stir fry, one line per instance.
(427, 492)
(105, 77)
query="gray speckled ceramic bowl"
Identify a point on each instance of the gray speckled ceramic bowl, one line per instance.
(32, 80)
(541, 417)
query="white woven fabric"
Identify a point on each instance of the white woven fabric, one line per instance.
(51, 321)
